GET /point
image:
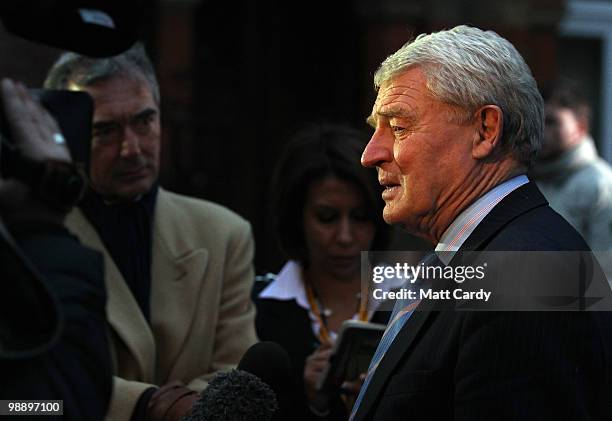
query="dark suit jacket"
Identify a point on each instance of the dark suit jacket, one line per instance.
(287, 324)
(58, 320)
(453, 365)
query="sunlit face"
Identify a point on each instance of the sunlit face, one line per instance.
(336, 227)
(562, 130)
(421, 151)
(125, 138)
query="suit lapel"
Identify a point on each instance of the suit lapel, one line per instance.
(123, 312)
(176, 277)
(516, 203)
(521, 200)
(398, 349)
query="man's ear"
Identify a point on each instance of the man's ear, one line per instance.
(583, 126)
(489, 125)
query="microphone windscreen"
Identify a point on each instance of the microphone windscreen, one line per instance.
(271, 363)
(235, 395)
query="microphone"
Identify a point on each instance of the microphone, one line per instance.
(260, 389)
(271, 363)
(235, 395)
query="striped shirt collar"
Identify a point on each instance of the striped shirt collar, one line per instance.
(461, 228)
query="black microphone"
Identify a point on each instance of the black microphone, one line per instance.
(271, 363)
(260, 389)
(234, 396)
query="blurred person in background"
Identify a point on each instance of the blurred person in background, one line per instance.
(573, 178)
(178, 270)
(326, 210)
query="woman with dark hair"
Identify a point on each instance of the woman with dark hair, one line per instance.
(326, 210)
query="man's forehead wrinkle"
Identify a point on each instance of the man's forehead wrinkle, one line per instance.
(398, 98)
(398, 107)
(395, 90)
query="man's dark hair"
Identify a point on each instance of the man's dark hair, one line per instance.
(567, 93)
(312, 154)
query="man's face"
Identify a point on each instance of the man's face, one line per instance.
(125, 138)
(422, 154)
(562, 130)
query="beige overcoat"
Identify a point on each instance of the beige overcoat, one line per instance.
(202, 318)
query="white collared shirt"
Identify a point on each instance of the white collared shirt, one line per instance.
(289, 285)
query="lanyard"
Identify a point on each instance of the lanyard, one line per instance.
(317, 309)
(313, 302)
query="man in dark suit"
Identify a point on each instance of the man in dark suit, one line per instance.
(458, 120)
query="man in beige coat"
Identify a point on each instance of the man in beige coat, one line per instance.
(178, 270)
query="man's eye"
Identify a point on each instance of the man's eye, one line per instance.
(104, 133)
(397, 129)
(143, 122)
(147, 119)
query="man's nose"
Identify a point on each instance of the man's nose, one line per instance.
(378, 150)
(131, 143)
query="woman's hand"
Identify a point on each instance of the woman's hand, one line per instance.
(313, 369)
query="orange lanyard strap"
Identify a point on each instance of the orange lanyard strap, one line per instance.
(363, 302)
(320, 317)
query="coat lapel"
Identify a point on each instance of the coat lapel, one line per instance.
(177, 273)
(516, 203)
(123, 312)
(398, 349)
(521, 200)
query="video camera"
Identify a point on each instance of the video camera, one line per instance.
(95, 28)
(73, 112)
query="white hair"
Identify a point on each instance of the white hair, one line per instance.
(469, 68)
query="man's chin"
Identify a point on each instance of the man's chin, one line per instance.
(404, 220)
(130, 193)
(390, 216)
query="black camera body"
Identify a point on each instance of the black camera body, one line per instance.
(73, 112)
(59, 184)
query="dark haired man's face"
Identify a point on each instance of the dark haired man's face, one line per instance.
(125, 138)
(562, 131)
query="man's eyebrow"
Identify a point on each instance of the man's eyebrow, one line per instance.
(147, 112)
(397, 112)
(392, 112)
(99, 125)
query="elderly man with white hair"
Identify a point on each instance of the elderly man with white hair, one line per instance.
(457, 122)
